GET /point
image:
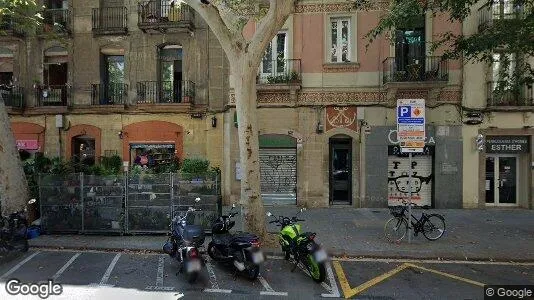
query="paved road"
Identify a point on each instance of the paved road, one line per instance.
(90, 274)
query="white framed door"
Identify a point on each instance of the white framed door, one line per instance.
(274, 62)
(501, 182)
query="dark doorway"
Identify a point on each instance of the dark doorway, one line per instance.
(340, 170)
(113, 79)
(171, 75)
(83, 150)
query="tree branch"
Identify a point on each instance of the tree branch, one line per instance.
(227, 36)
(279, 11)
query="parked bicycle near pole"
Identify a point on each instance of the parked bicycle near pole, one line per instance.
(431, 225)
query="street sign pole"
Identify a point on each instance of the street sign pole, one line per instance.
(410, 174)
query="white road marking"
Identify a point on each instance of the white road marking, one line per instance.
(265, 284)
(334, 291)
(211, 273)
(434, 261)
(65, 266)
(159, 278)
(105, 278)
(17, 266)
(217, 291)
(159, 288)
(267, 293)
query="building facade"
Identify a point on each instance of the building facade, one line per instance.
(327, 112)
(116, 77)
(498, 132)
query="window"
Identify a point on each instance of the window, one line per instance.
(503, 66)
(340, 40)
(274, 60)
(171, 73)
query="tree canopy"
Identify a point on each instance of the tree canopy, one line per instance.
(20, 15)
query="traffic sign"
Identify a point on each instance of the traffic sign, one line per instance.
(411, 123)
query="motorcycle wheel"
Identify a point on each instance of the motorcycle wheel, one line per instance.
(212, 251)
(191, 277)
(317, 270)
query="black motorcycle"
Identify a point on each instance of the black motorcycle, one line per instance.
(183, 244)
(242, 249)
(14, 230)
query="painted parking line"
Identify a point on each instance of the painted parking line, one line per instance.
(159, 278)
(269, 291)
(213, 279)
(334, 291)
(350, 292)
(430, 261)
(105, 278)
(65, 266)
(17, 266)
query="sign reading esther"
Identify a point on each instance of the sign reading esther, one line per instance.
(507, 144)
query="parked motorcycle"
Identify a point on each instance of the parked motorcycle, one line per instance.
(14, 229)
(242, 249)
(301, 246)
(183, 244)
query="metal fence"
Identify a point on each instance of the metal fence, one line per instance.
(134, 204)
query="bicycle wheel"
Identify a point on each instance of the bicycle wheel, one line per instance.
(434, 227)
(395, 229)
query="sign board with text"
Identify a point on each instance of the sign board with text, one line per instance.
(411, 124)
(507, 144)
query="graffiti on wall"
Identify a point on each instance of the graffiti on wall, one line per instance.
(398, 178)
(341, 117)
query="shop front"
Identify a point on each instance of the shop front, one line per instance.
(506, 164)
(29, 138)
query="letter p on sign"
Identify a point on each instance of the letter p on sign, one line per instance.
(405, 111)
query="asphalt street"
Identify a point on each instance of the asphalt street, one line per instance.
(123, 275)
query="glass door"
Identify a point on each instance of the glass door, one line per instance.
(501, 180)
(340, 171)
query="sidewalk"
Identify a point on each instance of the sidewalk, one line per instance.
(496, 234)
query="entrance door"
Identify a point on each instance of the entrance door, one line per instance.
(340, 171)
(501, 180)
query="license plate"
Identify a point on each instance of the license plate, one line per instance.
(192, 266)
(257, 257)
(320, 255)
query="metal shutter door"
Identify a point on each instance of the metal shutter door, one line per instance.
(278, 176)
(398, 182)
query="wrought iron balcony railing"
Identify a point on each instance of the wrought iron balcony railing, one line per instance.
(415, 69)
(57, 21)
(500, 10)
(8, 27)
(154, 14)
(52, 95)
(110, 20)
(109, 94)
(13, 96)
(280, 71)
(502, 93)
(165, 92)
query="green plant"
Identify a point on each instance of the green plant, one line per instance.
(171, 167)
(112, 165)
(195, 166)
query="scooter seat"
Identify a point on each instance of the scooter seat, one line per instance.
(223, 239)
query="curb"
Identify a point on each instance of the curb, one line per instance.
(334, 254)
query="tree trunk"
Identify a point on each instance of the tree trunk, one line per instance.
(244, 77)
(13, 185)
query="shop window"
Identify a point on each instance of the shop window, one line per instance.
(152, 155)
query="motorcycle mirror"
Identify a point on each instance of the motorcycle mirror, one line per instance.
(197, 199)
(32, 201)
(269, 214)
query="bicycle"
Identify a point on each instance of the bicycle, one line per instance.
(431, 225)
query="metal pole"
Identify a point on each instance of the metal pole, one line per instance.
(410, 195)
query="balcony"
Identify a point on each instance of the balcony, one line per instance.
(498, 10)
(504, 94)
(52, 95)
(57, 21)
(13, 96)
(10, 28)
(165, 92)
(109, 94)
(415, 69)
(160, 16)
(110, 20)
